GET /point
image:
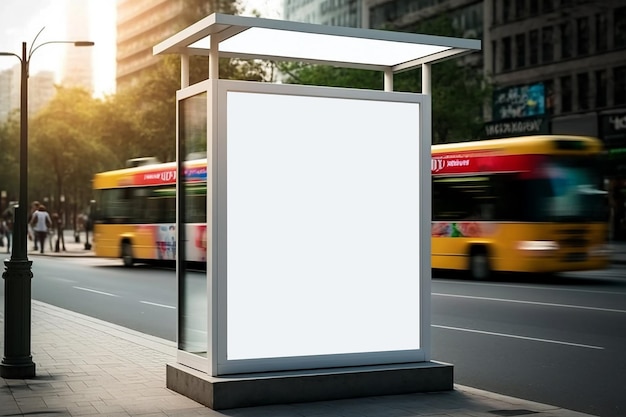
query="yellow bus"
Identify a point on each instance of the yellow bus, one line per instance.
(529, 204)
(135, 212)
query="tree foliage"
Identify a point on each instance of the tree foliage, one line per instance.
(9, 156)
(65, 147)
(458, 91)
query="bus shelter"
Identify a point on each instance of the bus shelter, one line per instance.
(314, 220)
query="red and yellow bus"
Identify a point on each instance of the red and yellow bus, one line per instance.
(529, 204)
(135, 212)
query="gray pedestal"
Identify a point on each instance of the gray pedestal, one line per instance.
(248, 390)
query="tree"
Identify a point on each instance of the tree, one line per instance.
(117, 129)
(149, 107)
(65, 147)
(459, 91)
(10, 157)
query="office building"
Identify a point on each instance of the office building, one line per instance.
(78, 62)
(6, 77)
(325, 12)
(41, 90)
(141, 24)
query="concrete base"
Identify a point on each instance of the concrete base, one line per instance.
(306, 386)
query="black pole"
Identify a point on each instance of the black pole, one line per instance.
(87, 227)
(17, 361)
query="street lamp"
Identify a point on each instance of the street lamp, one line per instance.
(17, 361)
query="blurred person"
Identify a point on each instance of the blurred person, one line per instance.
(57, 221)
(7, 226)
(31, 233)
(41, 223)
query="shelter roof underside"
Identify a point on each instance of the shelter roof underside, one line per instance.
(256, 38)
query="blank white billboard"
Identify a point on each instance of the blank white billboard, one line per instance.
(322, 218)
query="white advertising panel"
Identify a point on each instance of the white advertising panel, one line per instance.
(319, 226)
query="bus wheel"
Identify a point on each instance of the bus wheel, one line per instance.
(479, 264)
(127, 254)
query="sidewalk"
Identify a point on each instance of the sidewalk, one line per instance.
(85, 366)
(72, 248)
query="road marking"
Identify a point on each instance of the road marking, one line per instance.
(609, 310)
(96, 291)
(65, 280)
(533, 287)
(518, 337)
(158, 305)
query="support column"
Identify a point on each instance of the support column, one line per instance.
(426, 79)
(184, 71)
(388, 84)
(214, 59)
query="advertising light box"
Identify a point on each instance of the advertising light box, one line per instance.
(318, 226)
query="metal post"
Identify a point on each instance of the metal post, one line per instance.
(17, 361)
(388, 79)
(426, 79)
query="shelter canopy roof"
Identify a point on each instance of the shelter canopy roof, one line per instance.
(255, 38)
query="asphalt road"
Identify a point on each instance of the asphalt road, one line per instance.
(558, 341)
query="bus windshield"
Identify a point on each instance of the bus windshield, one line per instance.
(567, 191)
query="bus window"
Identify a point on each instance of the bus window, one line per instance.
(463, 198)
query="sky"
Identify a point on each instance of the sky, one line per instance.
(21, 20)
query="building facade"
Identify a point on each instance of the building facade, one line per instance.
(141, 24)
(78, 63)
(325, 12)
(6, 80)
(41, 90)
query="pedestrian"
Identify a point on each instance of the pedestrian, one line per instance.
(31, 233)
(41, 222)
(57, 220)
(7, 225)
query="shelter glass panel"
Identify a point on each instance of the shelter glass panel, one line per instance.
(192, 281)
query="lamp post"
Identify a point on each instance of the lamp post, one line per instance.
(17, 361)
